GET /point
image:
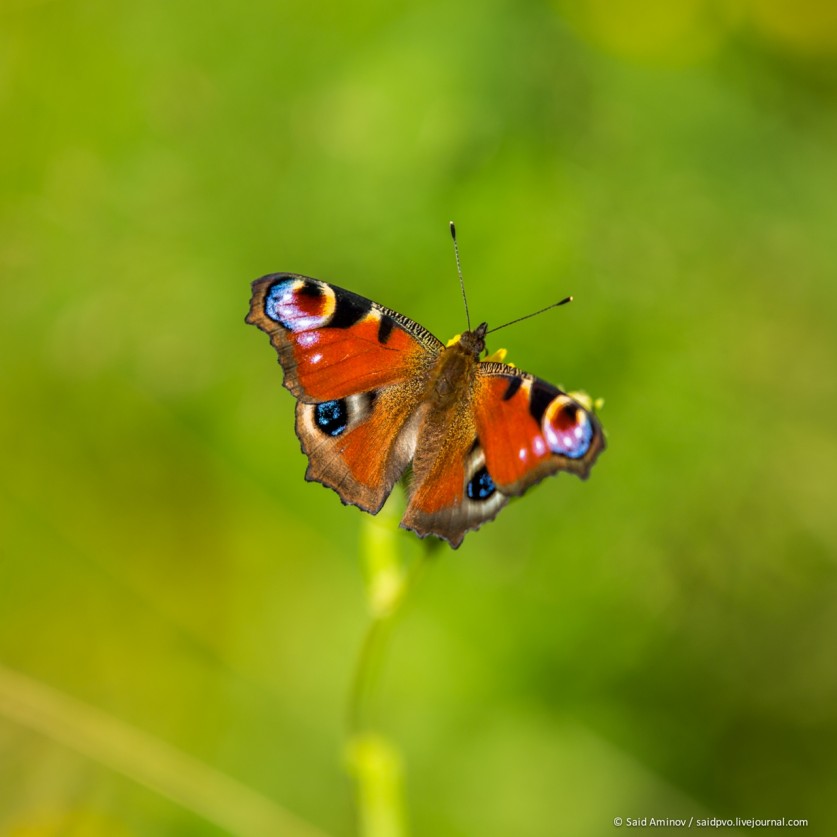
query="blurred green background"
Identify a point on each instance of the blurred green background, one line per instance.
(180, 612)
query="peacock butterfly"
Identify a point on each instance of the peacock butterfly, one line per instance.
(377, 393)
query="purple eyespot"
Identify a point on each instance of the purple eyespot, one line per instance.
(567, 428)
(299, 304)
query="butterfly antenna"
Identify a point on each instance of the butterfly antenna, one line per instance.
(459, 271)
(563, 301)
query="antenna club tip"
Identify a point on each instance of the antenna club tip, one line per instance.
(453, 230)
(565, 300)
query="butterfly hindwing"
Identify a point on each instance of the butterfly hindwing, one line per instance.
(362, 444)
(453, 493)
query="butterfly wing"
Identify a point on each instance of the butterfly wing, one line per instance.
(333, 343)
(365, 376)
(450, 494)
(511, 432)
(358, 371)
(530, 429)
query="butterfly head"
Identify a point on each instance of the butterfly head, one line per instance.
(473, 342)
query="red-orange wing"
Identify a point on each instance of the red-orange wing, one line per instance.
(513, 431)
(450, 494)
(359, 371)
(333, 343)
(530, 429)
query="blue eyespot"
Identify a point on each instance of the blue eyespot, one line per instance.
(481, 486)
(331, 417)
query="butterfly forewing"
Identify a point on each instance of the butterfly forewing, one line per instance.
(333, 343)
(531, 429)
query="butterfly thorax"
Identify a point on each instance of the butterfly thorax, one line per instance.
(455, 368)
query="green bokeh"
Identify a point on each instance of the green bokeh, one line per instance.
(658, 641)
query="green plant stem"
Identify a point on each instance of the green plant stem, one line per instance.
(373, 646)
